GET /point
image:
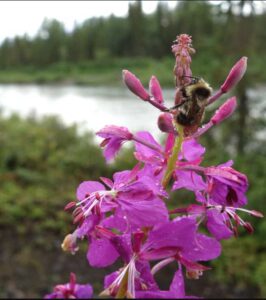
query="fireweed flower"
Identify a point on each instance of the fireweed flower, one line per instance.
(137, 199)
(226, 186)
(113, 136)
(171, 241)
(71, 290)
(222, 194)
(223, 184)
(126, 218)
(135, 202)
(221, 221)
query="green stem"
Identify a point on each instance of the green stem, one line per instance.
(173, 158)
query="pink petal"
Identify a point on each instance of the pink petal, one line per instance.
(87, 187)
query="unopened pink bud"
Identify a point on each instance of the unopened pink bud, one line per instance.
(70, 243)
(165, 123)
(224, 111)
(155, 90)
(235, 75)
(135, 86)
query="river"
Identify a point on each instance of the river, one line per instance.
(90, 107)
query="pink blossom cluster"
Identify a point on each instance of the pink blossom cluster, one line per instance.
(126, 218)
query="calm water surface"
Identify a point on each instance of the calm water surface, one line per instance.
(90, 107)
(94, 107)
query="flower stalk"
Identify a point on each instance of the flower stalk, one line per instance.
(173, 158)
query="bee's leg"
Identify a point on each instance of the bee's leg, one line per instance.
(176, 106)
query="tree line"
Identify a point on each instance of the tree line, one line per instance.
(218, 29)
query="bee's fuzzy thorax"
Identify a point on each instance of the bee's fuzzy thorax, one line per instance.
(201, 84)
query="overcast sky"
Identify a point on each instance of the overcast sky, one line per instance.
(19, 17)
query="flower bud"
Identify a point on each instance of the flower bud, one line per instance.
(70, 243)
(155, 89)
(165, 123)
(224, 111)
(235, 75)
(134, 85)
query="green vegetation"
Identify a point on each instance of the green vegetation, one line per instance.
(41, 164)
(96, 72)
(108, 72)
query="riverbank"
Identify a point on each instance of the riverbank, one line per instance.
(108, 71)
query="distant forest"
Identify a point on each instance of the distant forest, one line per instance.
(217, 29)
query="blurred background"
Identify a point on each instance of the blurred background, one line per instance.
(60, 82)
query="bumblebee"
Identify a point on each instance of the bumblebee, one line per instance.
(193, 100)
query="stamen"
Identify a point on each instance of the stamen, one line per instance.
(254, 213)
(88, 210)
(131, 278)
(86, 199)
(104, 142)
(79, 218)
(77, 211)
(248, 227)
(70, 205)
(161, 264)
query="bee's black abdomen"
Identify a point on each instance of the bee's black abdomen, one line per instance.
(184, 120)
